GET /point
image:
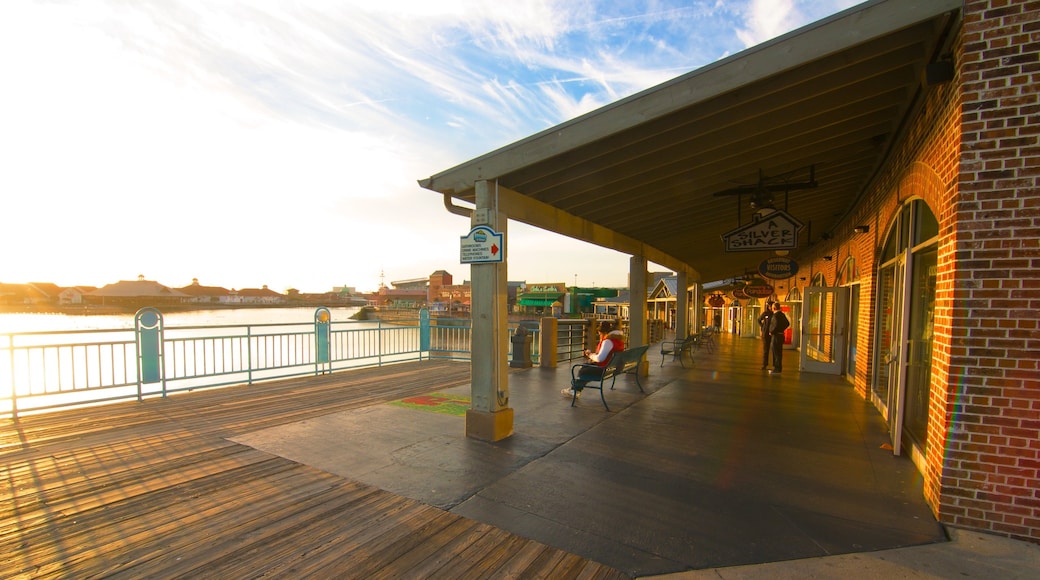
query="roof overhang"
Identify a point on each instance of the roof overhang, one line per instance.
(641, 175)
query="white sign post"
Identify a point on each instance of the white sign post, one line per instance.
(481, 245)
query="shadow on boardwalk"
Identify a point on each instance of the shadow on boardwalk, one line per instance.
(718, 466)
(156, 489)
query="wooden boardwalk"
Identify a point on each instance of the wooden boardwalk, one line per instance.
(156, 489)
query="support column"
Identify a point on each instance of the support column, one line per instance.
(489, 418)
(637, 289)
(682, 306)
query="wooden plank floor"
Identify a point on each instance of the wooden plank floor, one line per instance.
(155, 489)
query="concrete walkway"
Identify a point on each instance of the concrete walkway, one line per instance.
(720, 471)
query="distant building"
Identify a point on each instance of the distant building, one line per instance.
(74, 295)
(198, 293)
(136, 293)
(257, 296)
(541, 298)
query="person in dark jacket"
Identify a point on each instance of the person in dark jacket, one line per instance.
(763, 325)
(778, 323)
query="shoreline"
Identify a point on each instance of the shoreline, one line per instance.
(130, 309)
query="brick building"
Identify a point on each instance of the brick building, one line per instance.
(920, 279)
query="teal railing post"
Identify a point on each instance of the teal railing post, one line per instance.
(424, 331)
(322, 356)
(148, 330)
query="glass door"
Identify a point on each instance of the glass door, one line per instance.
(824, 315)
(905, 313)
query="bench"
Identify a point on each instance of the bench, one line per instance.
(707, 339)
(626, 361)
(680, 349)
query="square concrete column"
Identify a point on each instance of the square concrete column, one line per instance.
(637, 290)
(682, 306)
(489, 418)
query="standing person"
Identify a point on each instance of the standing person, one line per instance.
(763, 325)
(778, 323)
(610, 341)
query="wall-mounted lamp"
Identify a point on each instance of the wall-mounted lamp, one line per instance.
(861, 229)
(828, 258)
(802, 279)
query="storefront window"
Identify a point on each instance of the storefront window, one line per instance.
(919, 357)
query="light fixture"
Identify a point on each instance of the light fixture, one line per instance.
(828, 258)
(861, 229)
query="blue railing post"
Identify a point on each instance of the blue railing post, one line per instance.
(424, 331)
(148, 329)
(322, 355)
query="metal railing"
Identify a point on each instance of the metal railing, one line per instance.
(56, 369)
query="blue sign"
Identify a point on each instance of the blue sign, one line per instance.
(778, 268)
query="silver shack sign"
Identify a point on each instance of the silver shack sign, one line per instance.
(776, 231)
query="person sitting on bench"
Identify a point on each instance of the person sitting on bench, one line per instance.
(611, 340)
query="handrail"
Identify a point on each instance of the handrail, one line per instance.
(48, 370)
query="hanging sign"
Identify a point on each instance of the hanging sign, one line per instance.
(778, 268)
(776, 231)
(758, 290)
(716, 301)
(481, 245)
(739, 294)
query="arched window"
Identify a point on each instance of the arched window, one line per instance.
(849, 272)
(905, 313)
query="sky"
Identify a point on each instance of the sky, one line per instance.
(250, 143)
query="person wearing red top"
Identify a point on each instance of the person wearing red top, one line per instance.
(611, 340)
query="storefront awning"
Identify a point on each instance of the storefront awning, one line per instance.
(538, 298)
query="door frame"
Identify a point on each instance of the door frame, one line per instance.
(830, 360)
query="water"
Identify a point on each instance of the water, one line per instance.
(35, 322)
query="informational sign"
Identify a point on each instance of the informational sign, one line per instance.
(758, 290)
(776, 231)
(481, 245)
(778, 268)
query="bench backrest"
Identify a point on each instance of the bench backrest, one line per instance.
(625, 360)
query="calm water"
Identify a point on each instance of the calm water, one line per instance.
(12, 322)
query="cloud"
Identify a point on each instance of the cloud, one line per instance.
(266, 142)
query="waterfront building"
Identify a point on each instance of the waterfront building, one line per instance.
(205, 294)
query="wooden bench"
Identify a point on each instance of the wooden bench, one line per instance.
(626, 361)
(679, 349)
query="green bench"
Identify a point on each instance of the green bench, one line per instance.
(680, 349)
(626, 361)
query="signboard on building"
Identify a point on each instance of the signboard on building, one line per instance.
(778, 268)
(758, 290)
(481, 245)
(776, 231)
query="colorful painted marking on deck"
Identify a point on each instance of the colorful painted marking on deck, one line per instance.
(438, 403)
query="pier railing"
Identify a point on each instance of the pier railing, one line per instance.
(56, 369)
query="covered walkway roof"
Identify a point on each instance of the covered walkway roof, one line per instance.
(643, 175)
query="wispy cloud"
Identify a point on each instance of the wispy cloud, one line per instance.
(265, 142)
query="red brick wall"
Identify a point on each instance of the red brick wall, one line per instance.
(992, 464)
(972, 154)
